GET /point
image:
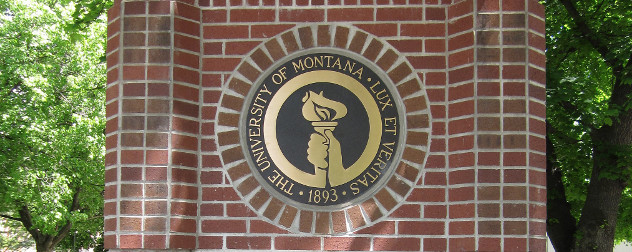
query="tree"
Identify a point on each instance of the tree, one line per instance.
(589, 123)
(52, 88)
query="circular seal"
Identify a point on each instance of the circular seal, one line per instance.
(322, 129)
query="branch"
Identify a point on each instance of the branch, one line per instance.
(560, 223)
(66, 228)
(27, 221)
(10, 217)
(589, 35)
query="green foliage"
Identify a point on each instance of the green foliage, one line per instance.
(52, 119)
(580, 80)
(13, 237)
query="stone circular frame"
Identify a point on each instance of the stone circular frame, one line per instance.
(413, 149)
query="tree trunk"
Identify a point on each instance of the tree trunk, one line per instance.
(41, 247)
(596, 228)
(560, 223)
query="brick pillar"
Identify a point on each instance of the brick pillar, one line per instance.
(470, 75)
(153, 132)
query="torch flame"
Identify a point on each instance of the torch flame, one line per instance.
(317, 108)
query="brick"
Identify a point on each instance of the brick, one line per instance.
(223, 226)
(489, 123)
(232, 102)
(400, 72)
(252, 15)
(514, 54)
(373, 49)
(386, 199)
(134, 8)
(427, 195)
(434, 46)
(463, 108)
(358, 41)
(407, 45)
(350, 14)
(305, 221)
(514, 38)
(489, 211)
(513, 21)
(347, 243)
(287, 216)
(461, 194)
(514, 193)
(182, 241)
(154, 241)
(247, 242)
(183, 225)
(387, 60)
(462, 244)
(238, 210)
(399, 14)
(514, 210)
(408, 88)
(210, 242)
(462, 211)
(461, 126)
(461, 177)
(489, 227)
(323, 37)
(341, 37)
(212, 210)
(515, 228)
(302, 15)
(184, 192)
(339, 222)
(461, 143)
(435, 244)
(414, 155)
(267, 31)
(214, 16)
(132, 139)
(273, 208)
(461, 228)
(461, 160)
(514, 106)
(514, 141)
(184, 175)
(131, 207)
(323, 223)
(130, 241)
(184, 209)
(187, 27)
(488, 6)
(515, 244)
(260, 197)
(225, 31)
(411, 211)
(379, 228)
(460, 25)
(297, 243)
(461, 41)
(460, 9)
(355, 217)
(130, 224)
(428, 62)
(371, 209)
(461, 74)
(396, 244)
(423, 30)
(129, 173)
(435, 178)
(437, 145)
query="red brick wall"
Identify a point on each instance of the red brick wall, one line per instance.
(173, 181)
